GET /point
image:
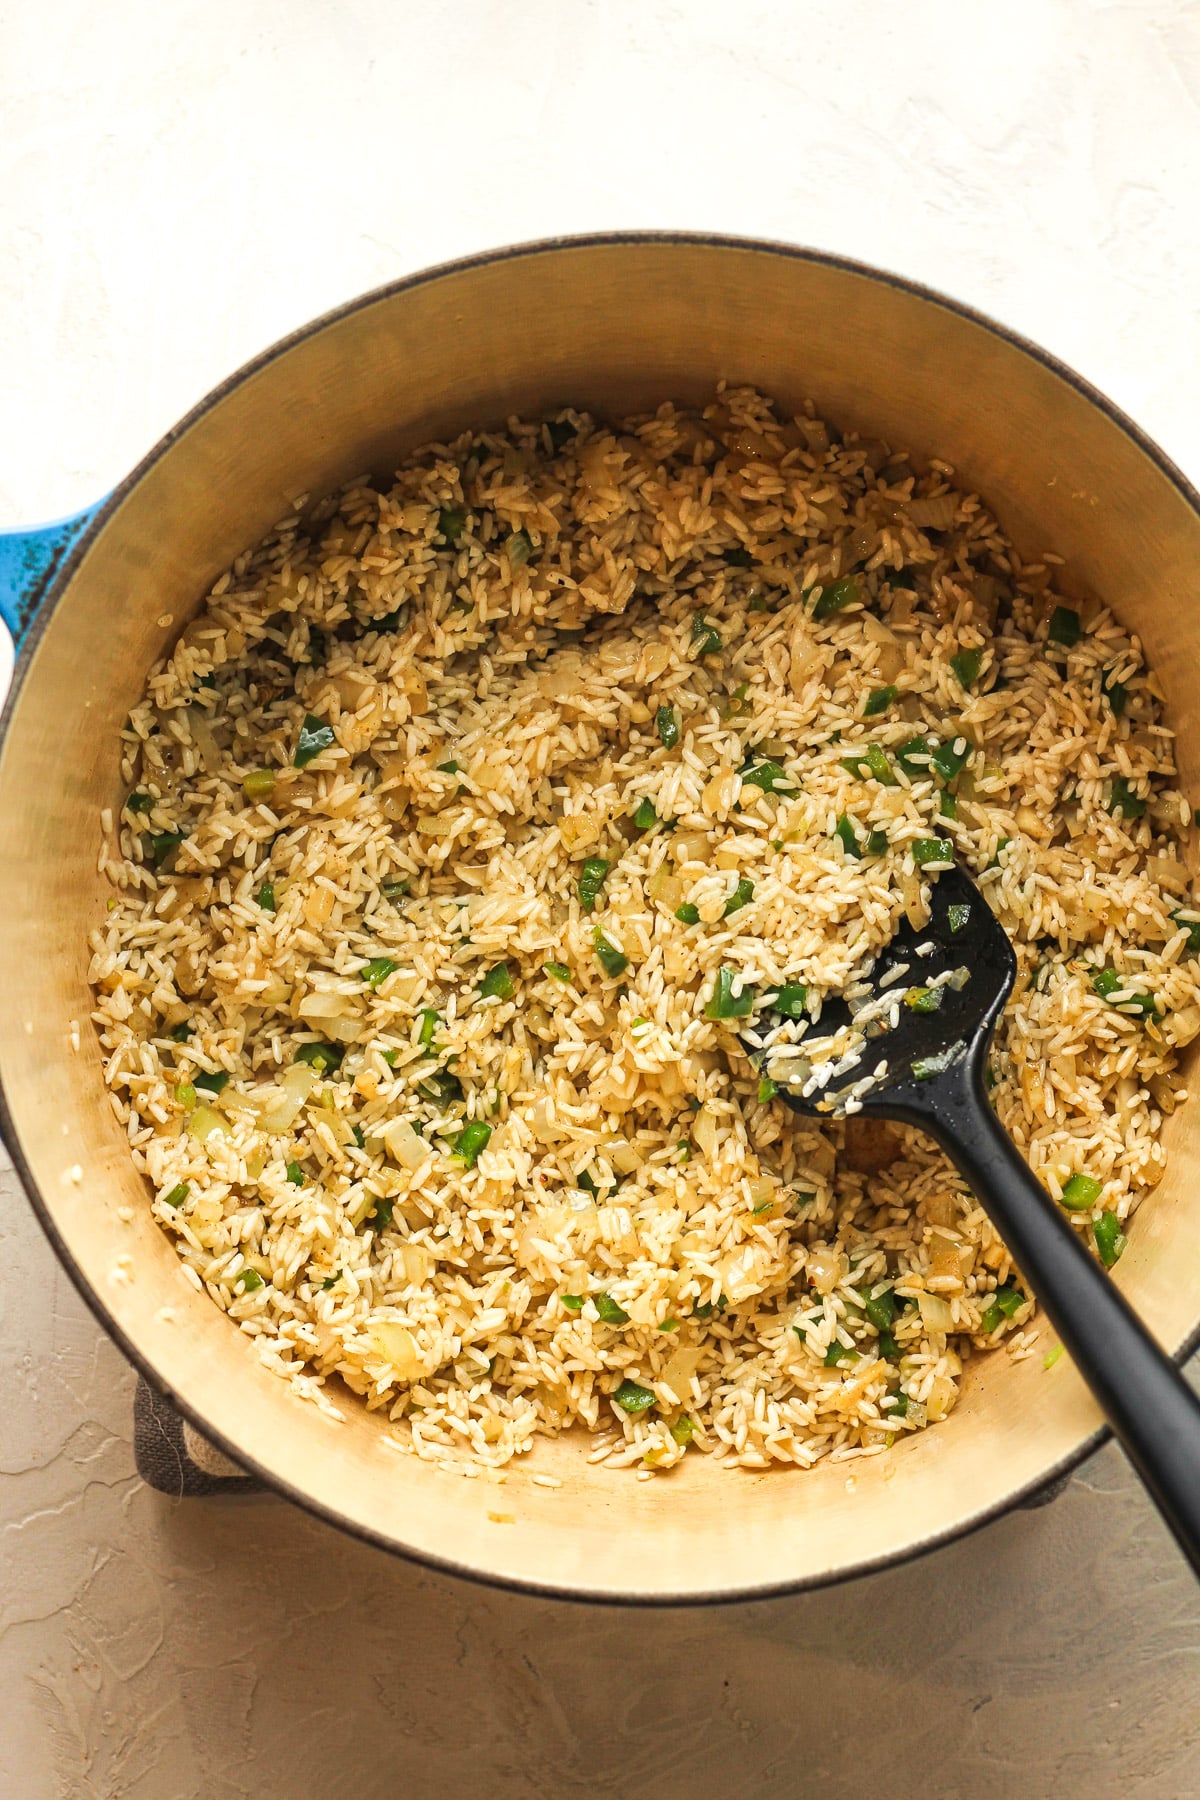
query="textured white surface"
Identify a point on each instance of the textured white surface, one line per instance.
(183, 183)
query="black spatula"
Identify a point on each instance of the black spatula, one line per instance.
(926, 1064)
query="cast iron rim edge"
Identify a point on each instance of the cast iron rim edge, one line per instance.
(91, 1298)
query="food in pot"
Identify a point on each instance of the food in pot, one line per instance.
(482, 806)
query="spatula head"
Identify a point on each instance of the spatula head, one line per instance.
(918, 1052)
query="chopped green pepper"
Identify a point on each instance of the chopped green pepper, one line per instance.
(248, 1281)
(666, 722)
(1122, 799)
(1081, 1192)
(790, 1001)
(1064, 627)
(519, 546)
(185, 1094)
(572, 1302)
(948, 759)
(140, 803)
(1003, 1304)
(183, 1031)
(878, 701)
(932, 850)
(497, 984)
(163, 845)
(724, 1003)
(450, 522)
(687, 914)
(471, 1142)
(835, 595)
(736, 702)
(591, 880)
(924, 999)
(876, 843)
(875, 760)
(557, 972)
(645, 818)
(177, 1195)
(1191, 926)
(1110, 1239)
(429, 1024)
(1114, 691)
(295, 1174)
(967, 665)
(321, 1057)
(683, 1428)
(705, 635)
(914, 757)
(315, 736)
(947, 804)
(376, 972)
(741, 896)
(880, 1308)
(767, 1089)
(211, 1081)
(739, 557)
(957, 915)
(608, 1310)
(844, 829)
(839, 1353)
(614, 962)
(266, 896)
(442, 1088)
(633, 1399)
(769, 777)
(394, 888)
(1108, 982)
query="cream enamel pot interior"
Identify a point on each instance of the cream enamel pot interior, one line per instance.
(614, 324)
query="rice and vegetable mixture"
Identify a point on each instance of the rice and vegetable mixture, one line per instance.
(481, 807)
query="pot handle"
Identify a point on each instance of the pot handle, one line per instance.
(30, 558)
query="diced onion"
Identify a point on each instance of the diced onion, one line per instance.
(279, 1106)
(396, 1344)
(418, 1263)
(326, 1006)
(704, 1132)
(681, 1366)
(664, 888)
(942, 1395)
(690, 846)
(204, 1123)
(936, 514)
(936, 1314)
(406, 1144)
(624, 1158)
(541, 1121)
(824, 1268)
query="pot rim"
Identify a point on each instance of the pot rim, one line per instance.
(866, 1565)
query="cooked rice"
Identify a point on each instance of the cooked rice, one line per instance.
(491, 635)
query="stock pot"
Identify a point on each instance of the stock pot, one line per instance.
(615, 324)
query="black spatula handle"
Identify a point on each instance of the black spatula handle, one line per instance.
(1149, 1405)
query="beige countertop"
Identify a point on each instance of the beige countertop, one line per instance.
(180, 185)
